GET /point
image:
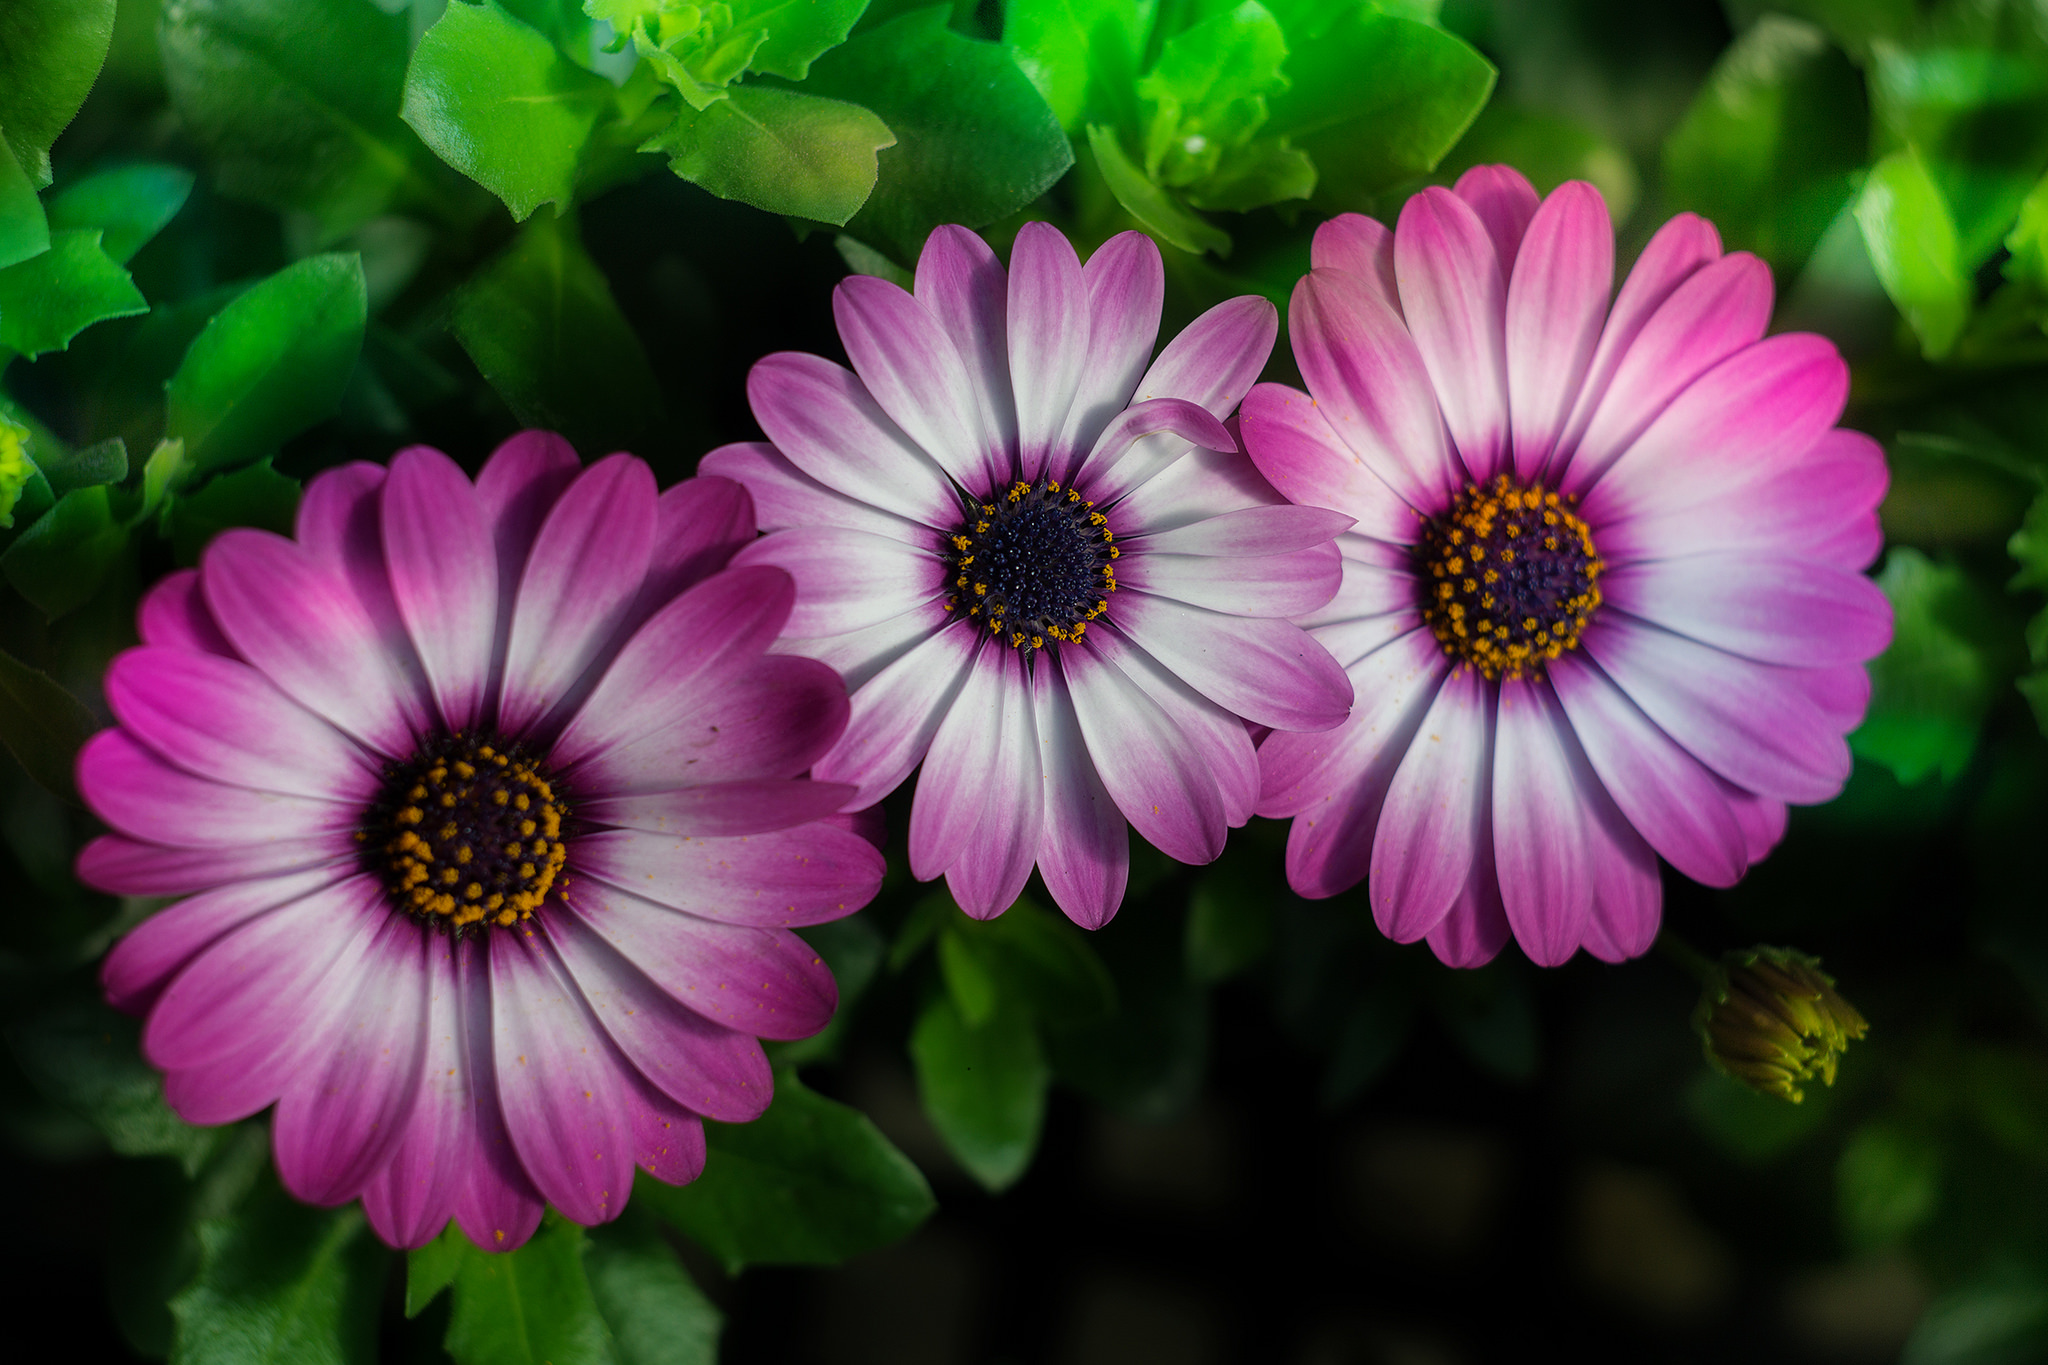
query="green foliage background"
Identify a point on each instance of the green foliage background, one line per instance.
(242, 240)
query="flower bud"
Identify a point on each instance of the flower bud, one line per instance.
(1770, 1018)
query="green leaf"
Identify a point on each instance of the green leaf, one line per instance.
(297, 101)
(970, 981)
(984, 1088)
(42, 725)
(494, 99)
(1082, 55)
(101, 462)
(1207, 91)
(60, 562)
(1912, 246)
(975, 141)
(1999, 1318)
(46, 300)
(1767, 149)
(2028, 242)
(256, 496)
(279, 1281)
(50, 54)
(1230, 922)
(782, 151)
(1750, 1126)
(1953, 651)
(810, 1182)
(1887, 1183)
(1374, 99)
(24, 230)
(1154, 208)
(88, 1058)
(1040, 961)
(270, 364)
(799, 31)
(431, 1268)
(532, 1306)
(1549, 150)
(657, 1314)
(1264, 171)
(18, 473)
(541, 325)
(129, 204)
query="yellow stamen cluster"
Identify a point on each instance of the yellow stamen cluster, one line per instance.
(1509, 577)
(468, 832)
(1033, 564)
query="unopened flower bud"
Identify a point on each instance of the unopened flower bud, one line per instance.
(1770, 1018)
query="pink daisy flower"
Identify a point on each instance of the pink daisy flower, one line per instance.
(1602, 600)
(485, 798)
(1041, 562)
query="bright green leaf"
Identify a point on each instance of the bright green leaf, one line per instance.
(431, 1268)
(279, 1281)
(129, 204)
(780, 150)
(270, 364)
(984, 1088)
(17, 471)
(256, 496)
(657, 1314)
(532, 1306)
(1768, 146)
(1374, 99)
(42, 725)
(1887, 1183)
(1155, 209)
(1081, 54)
(296, 100)
(46, 300)
(1208, 90)
(1912, 246)
(810, 1182)
(1263, 171)
(799, 31)
(1953, 651)
(540, 323)
(88, 1058)
(2028, 242)
(24, 230)
(50, 54)
(495, 99)
(975, 141)
(60, 562)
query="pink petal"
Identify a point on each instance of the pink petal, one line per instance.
(1289, 438)
(1145, 438)
(1198, 484)
(174, 614)
(848, 580)
(1454, 296)
(962, 284)
(1085, 850)
(1159, 778)
(700, 524)
(1266, 670)
(412, 1198)
(1360, 246)
(122, 866)
(1250, 531)
(806, 875)
(1475, 928)
(823, 418)
(859, 655)
(773, 717)
(1557, 299)
(1429, 830)
(954, 785)
(720, 809)
(786, 498)
(1285, 585)
(1544, 836)
(990, 872)
(1222, 738)
(1505, 202)
(444, 576)
(1763, 607)
(1628, 896)
(916, 375)
(1126, 287)
(497, 1206)
(146, 798)
(668, 1139)
(1048, 341)
(1214, 362)
(895, 714)
(157, 949)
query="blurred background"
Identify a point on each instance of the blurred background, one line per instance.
(1232, 1126)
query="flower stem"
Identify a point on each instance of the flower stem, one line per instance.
(1697, 964)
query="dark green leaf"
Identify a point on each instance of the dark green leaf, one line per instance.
(1549, 150)
(810, 1182)
(1154, 207)
(1081, 54)
(494, 99)
(50, 54)
(281, 1282)
(256, 496)
(1912, 245)
(296, 100)
(799, 31)
(1999, 1318)
(1750, 1126)
(780, 150)
(431, 1268)
(1375, 99)
(1954, 649)
(88, 1058)
(1887, 1183)
(853, 949)
(1768, 146)
(657, 1314)
(984, 1088)
(1490, 1014)
(101, 462)
(42, 725)
(24, 231)
(975, 141)
(129, 204)
(532, 1306)
(60, 562)
(970, 980)
(1230, 921)
(270, 364)
(46, 300)
(1039, 960)
(540, 323)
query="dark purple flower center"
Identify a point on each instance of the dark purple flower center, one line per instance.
(1033, 563)
(1508, 577)
(467, 831)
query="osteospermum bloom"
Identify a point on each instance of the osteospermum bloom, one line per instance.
(1041, 562)
(1602, 600)
(484, 799)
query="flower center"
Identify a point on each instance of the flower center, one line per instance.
(466, 832)
(1033, 563)
(1509, 577)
